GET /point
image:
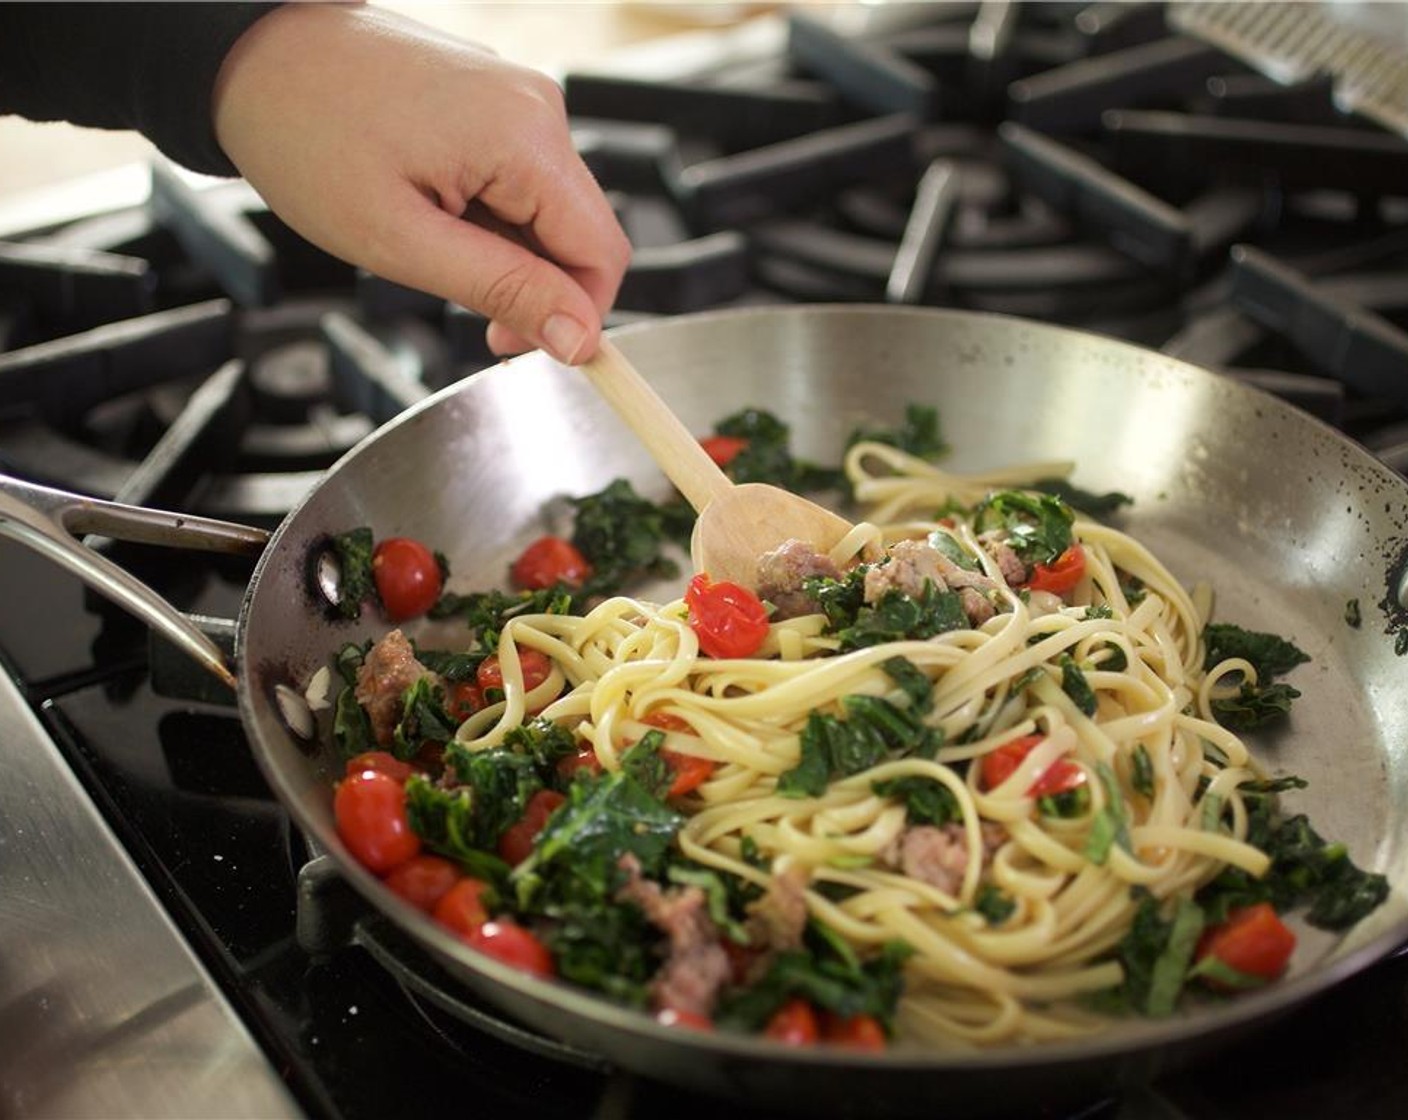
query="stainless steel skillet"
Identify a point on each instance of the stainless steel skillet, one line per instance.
(1286, 519)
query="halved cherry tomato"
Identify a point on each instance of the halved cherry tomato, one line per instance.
(858, 1032)
(461, 908)
(999, 765)
(550, 560)
(730, 620)
(722, 449)
(384, 761)
(516, 843)
(584, 759)
(370, 810)
(690, 1020)
(536, 666)
(794, 1023)
(1061, 574)
(423, 880)
(691, 771)
(466, 698)
(506, 940)
(407, 575)
(1253, 941)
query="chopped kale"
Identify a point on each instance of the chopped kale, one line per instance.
(501, 781)
(919, 435)
(1067, 804)
(994, 904)
(353, 550)
(624, 535)
(351, 727)
(1254, 705)
(445, 821)
(543, 741)
(1110, 828)
(874, 729)
(1265, 701)
(451, 666)
(1143, 768)
(1305, 871)
(1074, 685)
(1170, 968)
(580, 848)
(487, 612)
(827, 973)
(953, 550)
(926, 800)
(1099, 506)
(911, 680)
(894, 617)
(423, 719)
(1270, 655)
(644, 763)
(767, 456)
(1038, 525)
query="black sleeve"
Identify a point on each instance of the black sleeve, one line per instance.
(149, 67)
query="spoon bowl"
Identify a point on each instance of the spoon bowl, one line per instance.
(737, 523)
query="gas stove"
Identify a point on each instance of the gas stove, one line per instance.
(172, 944)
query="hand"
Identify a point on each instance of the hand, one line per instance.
(430, 162)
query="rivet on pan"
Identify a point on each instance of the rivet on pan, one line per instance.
(297, 716)
(1403, 588)
(328, 576)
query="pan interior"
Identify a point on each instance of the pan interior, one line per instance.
(1285, 519)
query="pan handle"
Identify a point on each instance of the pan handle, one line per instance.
(50, 522)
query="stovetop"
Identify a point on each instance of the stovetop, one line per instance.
(191, 352)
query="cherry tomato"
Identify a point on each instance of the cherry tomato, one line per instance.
(550, 560)
(584, 759)
(537, 666)
(858, 1032)
(423, 880)
(507, 941)
(691, 771)
(466, 698)
(722, 449)
(1061, 776)
(384, 761)
(461, 908)
(690, 1020)
(794, 1023)
(407, 576)
(730, 620)
(370, 810)
(1061, 574)
(1253, 941)
(516, 843)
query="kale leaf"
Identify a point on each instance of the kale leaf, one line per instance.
(1305, 871)
(580, 848)
(827, 973)
(926, 800)
(1099, 506)
(1038, 525)
(501, 782)
(445, 820)
(874, 729)
(919, 435)
(1074, 685)
(767, 456)
(623, 535)
(353, 550)
(1270, 655)
(423, 719)
(894, 617)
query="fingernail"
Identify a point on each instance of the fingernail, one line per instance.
(564, 337)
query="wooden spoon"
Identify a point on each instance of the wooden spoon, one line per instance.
(737, 523)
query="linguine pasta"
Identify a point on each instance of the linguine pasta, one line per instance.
(1156, 768)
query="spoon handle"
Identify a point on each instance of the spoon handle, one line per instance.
(669, 442)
